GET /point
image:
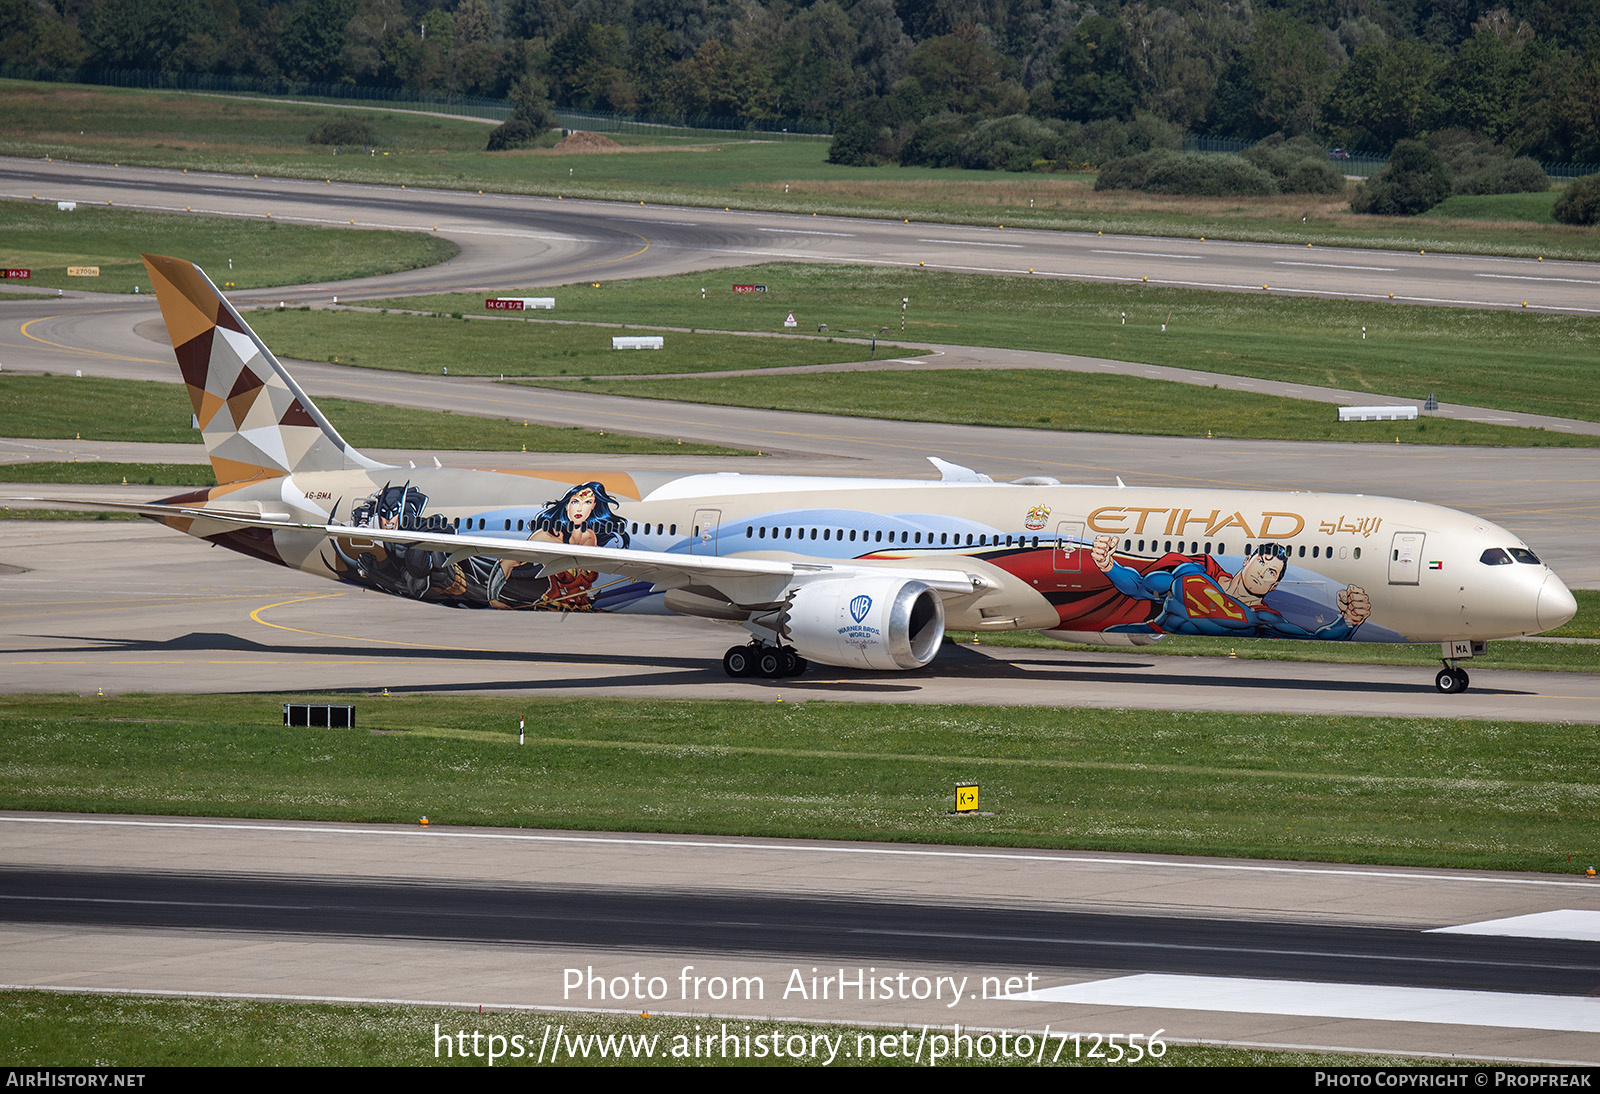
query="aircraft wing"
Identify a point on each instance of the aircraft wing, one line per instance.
(744, 581)
(156, 509)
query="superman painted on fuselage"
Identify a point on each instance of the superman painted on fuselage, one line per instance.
(1197, 596)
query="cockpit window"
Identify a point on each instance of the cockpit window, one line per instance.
(1522, 554)
(1494, 556)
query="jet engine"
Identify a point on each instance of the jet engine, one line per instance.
(871, 622)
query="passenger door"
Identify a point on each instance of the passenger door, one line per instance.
(703, 533)
(1405, 558)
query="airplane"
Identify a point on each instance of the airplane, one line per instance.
(860, 573)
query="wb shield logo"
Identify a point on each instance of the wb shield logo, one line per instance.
(859, 607)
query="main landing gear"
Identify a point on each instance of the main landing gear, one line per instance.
(1451, 679)
(772, 662)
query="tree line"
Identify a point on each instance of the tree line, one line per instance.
(911, 80)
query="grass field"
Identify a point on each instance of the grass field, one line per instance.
(1067, 401)
(254, 136)
(1514, 361)
(1424, 792)
(1586, 624)
(246, 253)
(45, 1029)
(1510, 654)
(100, 471)
(430, 344)
(1492, 208)
(8, 513)
(101, 409)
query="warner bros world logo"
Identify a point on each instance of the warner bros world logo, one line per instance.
(859, 634)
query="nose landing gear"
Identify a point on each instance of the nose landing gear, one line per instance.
(1451, 679)
(771, 662)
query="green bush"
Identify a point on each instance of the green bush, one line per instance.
(936, 141)
(1194, 173)
(1012, 143)
(1108, 139)
(1312, 177)
(1479, 166)
(1299, 165)
(1523, 176)
(514, 132)
(344, 129)
(531, 116)
(1125, 172)
(1518, 176)
(1580, 203)
(1414, 181)
(861, 142)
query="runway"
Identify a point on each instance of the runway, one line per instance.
(558, 920)
(386, 913)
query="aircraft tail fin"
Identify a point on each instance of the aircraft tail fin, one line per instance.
(256, 421)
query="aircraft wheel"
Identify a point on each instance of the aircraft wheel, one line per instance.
(738, 661)
(1448, 682)
(770, 663)
(1462, 679)
(794, 664)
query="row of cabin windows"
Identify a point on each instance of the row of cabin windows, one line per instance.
(850, 535)
(1186, 547)
(1183, 548)
(522, 525)
(1493, 557)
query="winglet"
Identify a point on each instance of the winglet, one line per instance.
(954, 472)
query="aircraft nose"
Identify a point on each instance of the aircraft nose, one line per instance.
(1556, 604)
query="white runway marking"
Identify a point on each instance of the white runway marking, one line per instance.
(1570, 923)
(1535, 277)
(803, 232)
(1141, 254)
(968, 243)
(1333, 266)
(1236, 995)
(157, 903)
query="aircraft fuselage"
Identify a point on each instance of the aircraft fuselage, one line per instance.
(1179, 558)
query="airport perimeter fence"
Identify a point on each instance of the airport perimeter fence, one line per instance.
(463, 106)
(468, 106)
(1360, 164)
(1363, 164)
(708, 125)
(1366, 164)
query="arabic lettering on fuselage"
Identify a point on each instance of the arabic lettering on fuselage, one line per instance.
(1365, 525)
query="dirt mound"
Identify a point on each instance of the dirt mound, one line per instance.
(579, 141)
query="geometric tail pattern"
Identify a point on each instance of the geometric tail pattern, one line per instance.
(256, 421)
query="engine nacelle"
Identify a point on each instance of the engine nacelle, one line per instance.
(883, 622)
